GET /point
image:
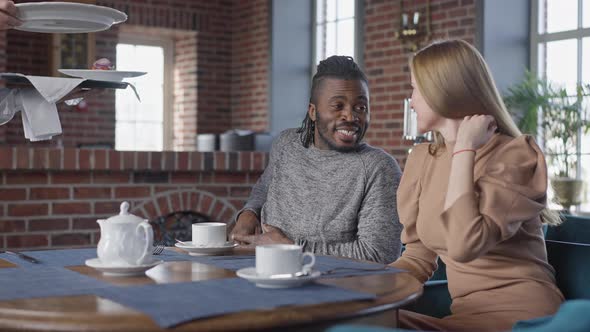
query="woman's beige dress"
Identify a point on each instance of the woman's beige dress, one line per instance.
(490, 239)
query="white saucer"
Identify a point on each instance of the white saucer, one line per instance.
(66, 17)
(249, 273)
(119, 270)
(203, 251)
(101, 75)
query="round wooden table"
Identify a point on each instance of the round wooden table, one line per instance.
(91, 313)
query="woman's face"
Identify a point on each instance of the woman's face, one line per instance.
(427, 118)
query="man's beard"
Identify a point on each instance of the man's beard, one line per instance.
(324, 131)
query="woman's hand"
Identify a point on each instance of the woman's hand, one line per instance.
(475, 131)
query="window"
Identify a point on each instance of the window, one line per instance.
(560, 50)
(336, 29)
(143, 126)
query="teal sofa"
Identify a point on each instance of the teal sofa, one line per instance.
(568, 250)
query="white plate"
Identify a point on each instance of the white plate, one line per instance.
(249, 273)
(203, 251)
(66, 17)
(101, 75)
(111, 270)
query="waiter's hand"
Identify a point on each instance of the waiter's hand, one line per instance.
(8, 15)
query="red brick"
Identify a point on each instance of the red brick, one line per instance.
(13, 194)
(230, 178)
(156, 162)
(114, 160)
(205, 204)
(240, 191)
(183, 177)
(55, 158)
(85, 159)
(92, 192)
(71, 208)
(219, 161)
(107, 208)
(22, 210)
(69, 158)
(219, 191)
(85, 223)
(40, 158)
(26, 241)
(176, 202)
(132, 192)
(143, 160)
(71, 239)
(22, 157)
(10, 226)
(150, 209)
(5, 157)
(116, 177)
(196, 161)
(48, 224)
(194, 200)
(182, 161)
(100, 159)
(26, 178)
(245, 163)
(70, 178)
(169, 160)
(49, 193)
(163, 205)
(216, 212)
(128, 160)
(207, 177)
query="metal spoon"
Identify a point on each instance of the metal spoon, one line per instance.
(290, 275)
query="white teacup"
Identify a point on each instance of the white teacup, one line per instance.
(275, 259)
(209, 234)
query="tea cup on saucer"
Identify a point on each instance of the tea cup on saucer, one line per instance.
(282, 259)
(209, 234)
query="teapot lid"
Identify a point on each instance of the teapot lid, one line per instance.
(124, 215)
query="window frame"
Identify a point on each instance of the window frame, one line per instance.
(359, 10)
(167, 45)
(536, 39)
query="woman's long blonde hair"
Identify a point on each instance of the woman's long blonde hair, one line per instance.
(455, 81)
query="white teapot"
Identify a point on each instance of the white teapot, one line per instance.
(125, 240)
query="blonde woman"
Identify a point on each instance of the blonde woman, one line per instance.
(476, 197)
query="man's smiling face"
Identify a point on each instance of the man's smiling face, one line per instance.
(341, 114)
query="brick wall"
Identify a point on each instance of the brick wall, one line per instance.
(250, 65)
(52, 197)
(185, 92)
(386, 61)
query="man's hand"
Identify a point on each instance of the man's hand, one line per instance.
(271, 235)
(247, 224)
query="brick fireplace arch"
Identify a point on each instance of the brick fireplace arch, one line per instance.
(203, 202)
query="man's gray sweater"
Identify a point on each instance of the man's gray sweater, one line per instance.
(330, 202)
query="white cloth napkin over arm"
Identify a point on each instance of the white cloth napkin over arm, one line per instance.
(54, 88)
(40, 118)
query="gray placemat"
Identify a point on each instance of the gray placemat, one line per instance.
(59, 257)
(75, 257)
(44, 281)
(172, 304)
(345, 267)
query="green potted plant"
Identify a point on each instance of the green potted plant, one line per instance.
(563, 118)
